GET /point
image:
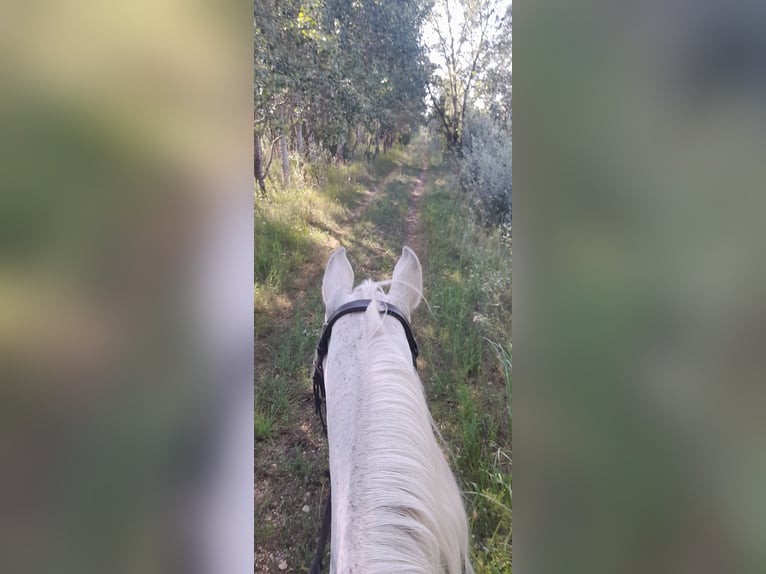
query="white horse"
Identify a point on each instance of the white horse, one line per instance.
(396, 506)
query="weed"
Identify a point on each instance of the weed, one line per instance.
(264, 424)
(299, 467)
(507, 368)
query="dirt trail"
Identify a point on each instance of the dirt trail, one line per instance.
(365, 202)
(414, 233)
(290, 479)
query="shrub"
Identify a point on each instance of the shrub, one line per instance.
(486, 171)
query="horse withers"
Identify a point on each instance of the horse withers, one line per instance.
(396, 506)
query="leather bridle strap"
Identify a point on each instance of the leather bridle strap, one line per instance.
(358, 306)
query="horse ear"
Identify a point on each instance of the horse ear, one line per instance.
(338, 279)
(407, 282)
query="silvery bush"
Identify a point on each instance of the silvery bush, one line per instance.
(486, 172)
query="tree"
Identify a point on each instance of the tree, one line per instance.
(496, 86)
(461, 36)
(343, 69)
(473, 100)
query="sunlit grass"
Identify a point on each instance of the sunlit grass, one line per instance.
(290, 221)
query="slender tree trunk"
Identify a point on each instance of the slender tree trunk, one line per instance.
(258, 164)
(368, 153)
(299, 137)
(377, 143)
(387, 141)
(357, 136)
(285, 160)
(309, 141)
(339, 152)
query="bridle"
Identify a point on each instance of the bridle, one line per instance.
(357, 306)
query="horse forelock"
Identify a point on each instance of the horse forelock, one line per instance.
(369, 289)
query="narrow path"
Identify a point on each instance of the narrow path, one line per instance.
(416, 203)
(388, 218)
(290, 480)
(368, 197)
(413, 236)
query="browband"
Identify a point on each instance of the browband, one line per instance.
(358, 306)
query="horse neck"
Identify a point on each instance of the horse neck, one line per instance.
(396, 505)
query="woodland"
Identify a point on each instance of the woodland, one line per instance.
(345, 80)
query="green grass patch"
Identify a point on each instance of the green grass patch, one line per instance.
(264, 423)
(292, 223)
(467, 281)
(385, 164)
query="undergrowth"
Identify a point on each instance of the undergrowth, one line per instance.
(467, 348)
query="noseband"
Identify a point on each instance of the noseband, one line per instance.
(358, 306)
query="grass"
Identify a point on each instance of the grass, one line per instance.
(465, 339)
(468, 284)
(504, 357)
(264, 423)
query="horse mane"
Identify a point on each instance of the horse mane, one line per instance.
(410, 510)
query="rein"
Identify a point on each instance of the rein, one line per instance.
(357, 306)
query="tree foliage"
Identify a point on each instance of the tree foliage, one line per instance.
(472, 98)
(496, 85)
(462, 33)
(337, 72)
(334, 76)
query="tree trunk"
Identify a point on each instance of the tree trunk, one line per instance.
(357, 136)
(387, 141)
(299, 137)
(339, 152)
(367, 152)
(258, 164)
(309, 141)
(285, 160)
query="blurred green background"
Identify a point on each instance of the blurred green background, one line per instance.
(125, 133)
(640, 281)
